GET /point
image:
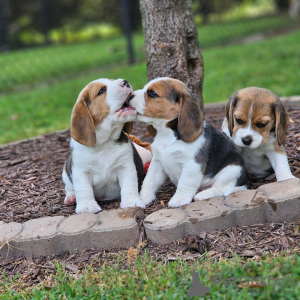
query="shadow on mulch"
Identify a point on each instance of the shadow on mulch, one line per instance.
(31, 187)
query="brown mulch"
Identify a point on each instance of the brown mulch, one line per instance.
(30, 172)
(31, 187)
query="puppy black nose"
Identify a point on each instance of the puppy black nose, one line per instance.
(125, 83)
(247, 140)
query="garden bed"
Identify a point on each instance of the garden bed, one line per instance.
(30, 172)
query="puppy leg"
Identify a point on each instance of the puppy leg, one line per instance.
(69, 189)
(188, 184)
(224, 185)
(280, 164)
(85, 200)
(155, 177)
(129, 187)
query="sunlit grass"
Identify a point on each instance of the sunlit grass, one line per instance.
(38, 65)
(271, 64)
(147, 278)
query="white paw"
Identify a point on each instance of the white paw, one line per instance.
(206, 194)
(178, 201)
(70, 198)
(133, 202)
(90, 206)
(286, 177)
(146, 199)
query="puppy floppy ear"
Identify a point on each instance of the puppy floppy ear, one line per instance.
(282, 121)
(190, 119)
(82, 123)
(229, 108)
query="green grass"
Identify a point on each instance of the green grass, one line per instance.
(147, 278)
(217, 34)
(36, 65)
(271, 64)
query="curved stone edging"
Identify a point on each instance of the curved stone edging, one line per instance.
(117, 228)
(54, 235)
(273, 202)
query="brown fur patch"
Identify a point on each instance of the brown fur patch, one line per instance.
(89, 111)
(262, 105)
(164, 106)
(174, 100)
(99, 108)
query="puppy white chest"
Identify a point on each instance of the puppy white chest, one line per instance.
(102, 167)
(256, 161)
(173, 156)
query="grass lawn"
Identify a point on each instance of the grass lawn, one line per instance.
(41, 64)
(272, 63)
(146, 278)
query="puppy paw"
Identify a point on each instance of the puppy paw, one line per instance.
(147, 199)
(178, 201)
(87, 207)
(286, 177)
(206, 194)
(70, 199)
(133, 202)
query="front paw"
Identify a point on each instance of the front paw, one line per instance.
(146, 199)
(177, 201)
(90, 206)
(281, 178)
(70, 198)
(133, 202)
(206, 194)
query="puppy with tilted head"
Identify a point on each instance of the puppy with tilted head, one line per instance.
(257, 122)
(104, 162)
(188, 150)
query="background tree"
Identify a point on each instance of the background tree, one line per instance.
(171, 42)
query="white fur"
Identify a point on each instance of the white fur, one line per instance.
(175, 159)
(108, 170)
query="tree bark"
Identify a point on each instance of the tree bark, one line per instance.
(171, 42)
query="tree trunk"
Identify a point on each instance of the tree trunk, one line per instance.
(171, 42)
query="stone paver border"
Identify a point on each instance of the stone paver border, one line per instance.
(118, 228)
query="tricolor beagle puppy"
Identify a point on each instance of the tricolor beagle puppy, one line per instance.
(257, 121)
(104, 163)
(187, 149)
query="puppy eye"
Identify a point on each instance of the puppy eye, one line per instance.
(152, 94)
(260, 125)
(101, 91)
(239, 121)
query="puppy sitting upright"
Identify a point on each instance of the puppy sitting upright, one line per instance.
(187, 149)
(257, 121)
(104, 163)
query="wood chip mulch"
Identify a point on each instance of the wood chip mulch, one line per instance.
(31, 187)
(30, 172)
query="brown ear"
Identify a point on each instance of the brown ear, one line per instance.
(190, 119)
(82, 123)
(128, 127)
(229, 108)
(282, 121)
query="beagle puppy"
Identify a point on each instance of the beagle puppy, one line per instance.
(186, 149)
(257, 122)
(104, 162)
